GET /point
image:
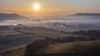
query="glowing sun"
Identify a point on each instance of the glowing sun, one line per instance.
(36, 6)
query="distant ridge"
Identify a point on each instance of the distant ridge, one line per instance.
(86, 14)
(4, 16)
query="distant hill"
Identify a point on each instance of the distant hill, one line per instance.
(4, 16)
(86, 14)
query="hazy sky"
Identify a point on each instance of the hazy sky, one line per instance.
(25, 7)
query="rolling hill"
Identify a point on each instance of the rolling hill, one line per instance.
(75, 47)
(86, 14)
(11, 17)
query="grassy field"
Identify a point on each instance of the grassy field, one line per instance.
(48, 33)
(75, 47)
(8, 32)
(15, 51)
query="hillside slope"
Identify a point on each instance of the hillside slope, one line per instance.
(75, 47)
(10, 17)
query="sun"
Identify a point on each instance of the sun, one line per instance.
(36, 6)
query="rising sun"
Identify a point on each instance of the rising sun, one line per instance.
(36, 6)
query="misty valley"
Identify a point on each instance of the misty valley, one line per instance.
(23, 36)
(49, 27)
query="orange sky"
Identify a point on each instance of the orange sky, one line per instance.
(49, 7)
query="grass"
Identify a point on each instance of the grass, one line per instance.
(15, 51)
(49, 33)
(75, 47)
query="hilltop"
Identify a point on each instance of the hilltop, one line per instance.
(86, 14)
(4, 16)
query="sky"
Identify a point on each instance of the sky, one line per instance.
(49, 7)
